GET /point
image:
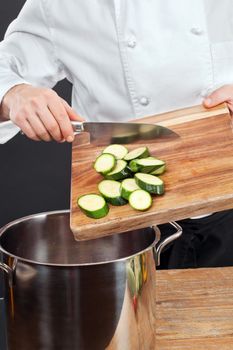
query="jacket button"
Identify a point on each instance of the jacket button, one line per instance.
(131, 43)
(144, 101)
(196, 31)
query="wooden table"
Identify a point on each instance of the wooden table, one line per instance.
(195, 309)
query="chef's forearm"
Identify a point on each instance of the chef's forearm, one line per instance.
(27, 53)
(8, 80)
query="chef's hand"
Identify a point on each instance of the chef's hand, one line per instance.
(40, 113)
(223, 94)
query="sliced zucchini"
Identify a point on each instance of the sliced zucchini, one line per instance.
(145, 165)
(110, 190)
(118, 151)
(149, 183)
(120, 171)
(93, 205)
(141, 152)
(159, 171)
(104, 163)
(127, 187)
(133, 165)
(140, 200)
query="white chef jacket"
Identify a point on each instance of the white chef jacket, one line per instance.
(125, 58)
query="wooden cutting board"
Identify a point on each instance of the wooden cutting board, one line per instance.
(198, 180)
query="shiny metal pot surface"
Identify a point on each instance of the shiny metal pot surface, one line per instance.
(64, 295)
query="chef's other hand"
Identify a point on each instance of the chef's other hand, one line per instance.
(223, 94)
(40, 113)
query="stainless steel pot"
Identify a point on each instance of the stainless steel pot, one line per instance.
(64, 295)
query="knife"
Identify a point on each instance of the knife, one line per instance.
(103, 132)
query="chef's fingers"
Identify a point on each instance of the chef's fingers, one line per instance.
(30, 124)
(38, 127)
(223, 94)
(50, 124)
(49, 115)
(28, 131)
(59, 112)
(71, 113)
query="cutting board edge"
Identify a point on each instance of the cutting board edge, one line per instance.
(152, 219)
(183, 115)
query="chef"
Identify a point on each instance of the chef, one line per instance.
(126, 59)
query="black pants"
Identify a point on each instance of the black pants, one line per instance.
(205, 242)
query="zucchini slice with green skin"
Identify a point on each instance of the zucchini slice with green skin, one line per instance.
(159, 171)
(118, 151)
(120, 171)
(145, 165)
(133, 165)
(105, 163)
(127, 187)
(110, 190)
(141, 152)
(149, 183)
(140, 200)
(93, 205)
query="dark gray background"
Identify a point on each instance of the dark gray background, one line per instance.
(34, 176)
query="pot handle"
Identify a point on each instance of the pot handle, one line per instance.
(9, 272)
(167, 240)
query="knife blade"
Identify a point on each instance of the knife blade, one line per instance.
(103, 132)
(122, 133)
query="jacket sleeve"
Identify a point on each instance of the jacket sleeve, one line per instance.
(27, 53)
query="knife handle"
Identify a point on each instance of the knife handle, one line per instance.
(8, 130)
(78, 127)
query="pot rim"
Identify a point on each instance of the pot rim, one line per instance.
(26, 218)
